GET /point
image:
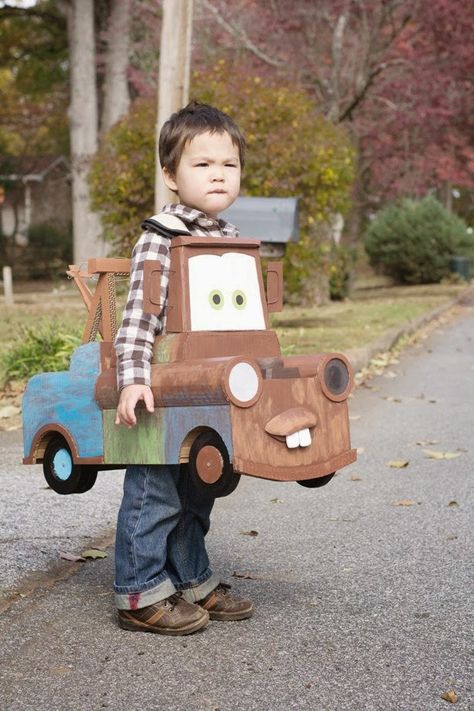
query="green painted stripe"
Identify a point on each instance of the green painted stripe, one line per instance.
(142, 444)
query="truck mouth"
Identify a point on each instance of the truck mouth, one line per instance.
(301, 438)
(293, 427)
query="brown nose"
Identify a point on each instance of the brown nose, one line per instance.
(290, 421)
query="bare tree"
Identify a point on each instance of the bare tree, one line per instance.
(116, 92)
(173, 88)
(83, 126)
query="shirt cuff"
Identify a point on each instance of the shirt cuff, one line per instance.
(133, 372)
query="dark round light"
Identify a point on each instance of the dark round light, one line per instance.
(216, 299)
(336, 376)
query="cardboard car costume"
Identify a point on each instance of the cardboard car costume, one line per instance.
(227, 402)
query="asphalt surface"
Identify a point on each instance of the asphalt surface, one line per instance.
(363, 589)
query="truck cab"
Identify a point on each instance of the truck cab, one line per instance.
(227, 402)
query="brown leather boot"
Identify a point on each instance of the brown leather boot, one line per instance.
(222, 605)
(173, 616)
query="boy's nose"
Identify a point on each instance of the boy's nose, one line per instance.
(218, 175)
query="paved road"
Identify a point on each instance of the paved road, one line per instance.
(361, 603)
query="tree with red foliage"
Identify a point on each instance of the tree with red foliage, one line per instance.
(398, 72)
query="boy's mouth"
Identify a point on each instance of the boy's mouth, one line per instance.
(216, 192)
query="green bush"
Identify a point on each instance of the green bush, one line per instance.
(342, 261)
(37, 350)
(48, 250)
(414, 241)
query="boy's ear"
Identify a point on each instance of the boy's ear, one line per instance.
(169, 180)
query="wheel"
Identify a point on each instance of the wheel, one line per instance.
(62, 475)
(210, 467)
(318, 482)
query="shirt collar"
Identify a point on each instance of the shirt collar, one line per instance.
(193, 216)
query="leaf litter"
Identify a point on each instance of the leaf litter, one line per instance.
(432, 454)
(94, 553)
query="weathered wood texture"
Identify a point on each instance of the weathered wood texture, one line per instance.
(258, 453)
(66, 399)
(203, 382)
(164, 437)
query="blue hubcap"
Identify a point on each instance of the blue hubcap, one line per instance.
(62, 464)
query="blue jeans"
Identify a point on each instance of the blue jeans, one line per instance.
(160, 547)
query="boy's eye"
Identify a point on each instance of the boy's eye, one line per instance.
(202, 165)
(239, 299)
(216, 299)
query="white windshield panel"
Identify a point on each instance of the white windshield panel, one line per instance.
(225, 293)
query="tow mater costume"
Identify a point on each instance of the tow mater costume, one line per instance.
(226, 400)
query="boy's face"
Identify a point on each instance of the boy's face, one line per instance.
(208, 174)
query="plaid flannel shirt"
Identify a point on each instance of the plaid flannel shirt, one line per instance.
(136, 336)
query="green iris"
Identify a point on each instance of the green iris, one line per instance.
(216, 299)
(239, 299)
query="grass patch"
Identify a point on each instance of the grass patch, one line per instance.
(350, 324)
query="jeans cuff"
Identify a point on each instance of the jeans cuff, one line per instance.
(137, 600)
(200, 591)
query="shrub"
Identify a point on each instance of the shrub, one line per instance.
(341, 264)
(37, 350)
(413, 242)
(49, 248)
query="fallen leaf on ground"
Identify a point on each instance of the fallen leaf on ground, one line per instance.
(94, 553)
(249, 533)
(354, 417)
(432, 401)
(453, 504)
(73, 557)
(431, 454)
(60, 671)
(354, 477)
(389, 398)
(276, 501)
(247, 576)
(380, 362)
(425, 442)
(8, 411)
(390, 374)
(452, 537)
(398, 463)
(450, 696)
(404, 502)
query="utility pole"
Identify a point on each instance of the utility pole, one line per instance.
(173, 83)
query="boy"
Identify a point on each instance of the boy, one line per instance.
(163, 580)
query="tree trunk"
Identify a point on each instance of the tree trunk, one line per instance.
(173, 87)
(116, 93)
(83, 128)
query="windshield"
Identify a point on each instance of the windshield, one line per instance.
(225, 293)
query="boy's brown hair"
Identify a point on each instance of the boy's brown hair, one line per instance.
(188, 123)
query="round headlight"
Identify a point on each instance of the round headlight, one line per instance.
(336, 377)
(243, 383)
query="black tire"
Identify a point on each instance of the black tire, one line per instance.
(228, 479)
(60, 472)
(318, 482)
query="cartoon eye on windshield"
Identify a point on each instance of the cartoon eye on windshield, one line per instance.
(239, 299)
(216, 299)
(225, 293)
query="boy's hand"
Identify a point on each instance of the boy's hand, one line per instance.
(129, 397)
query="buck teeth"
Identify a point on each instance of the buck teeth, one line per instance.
(301, 438)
